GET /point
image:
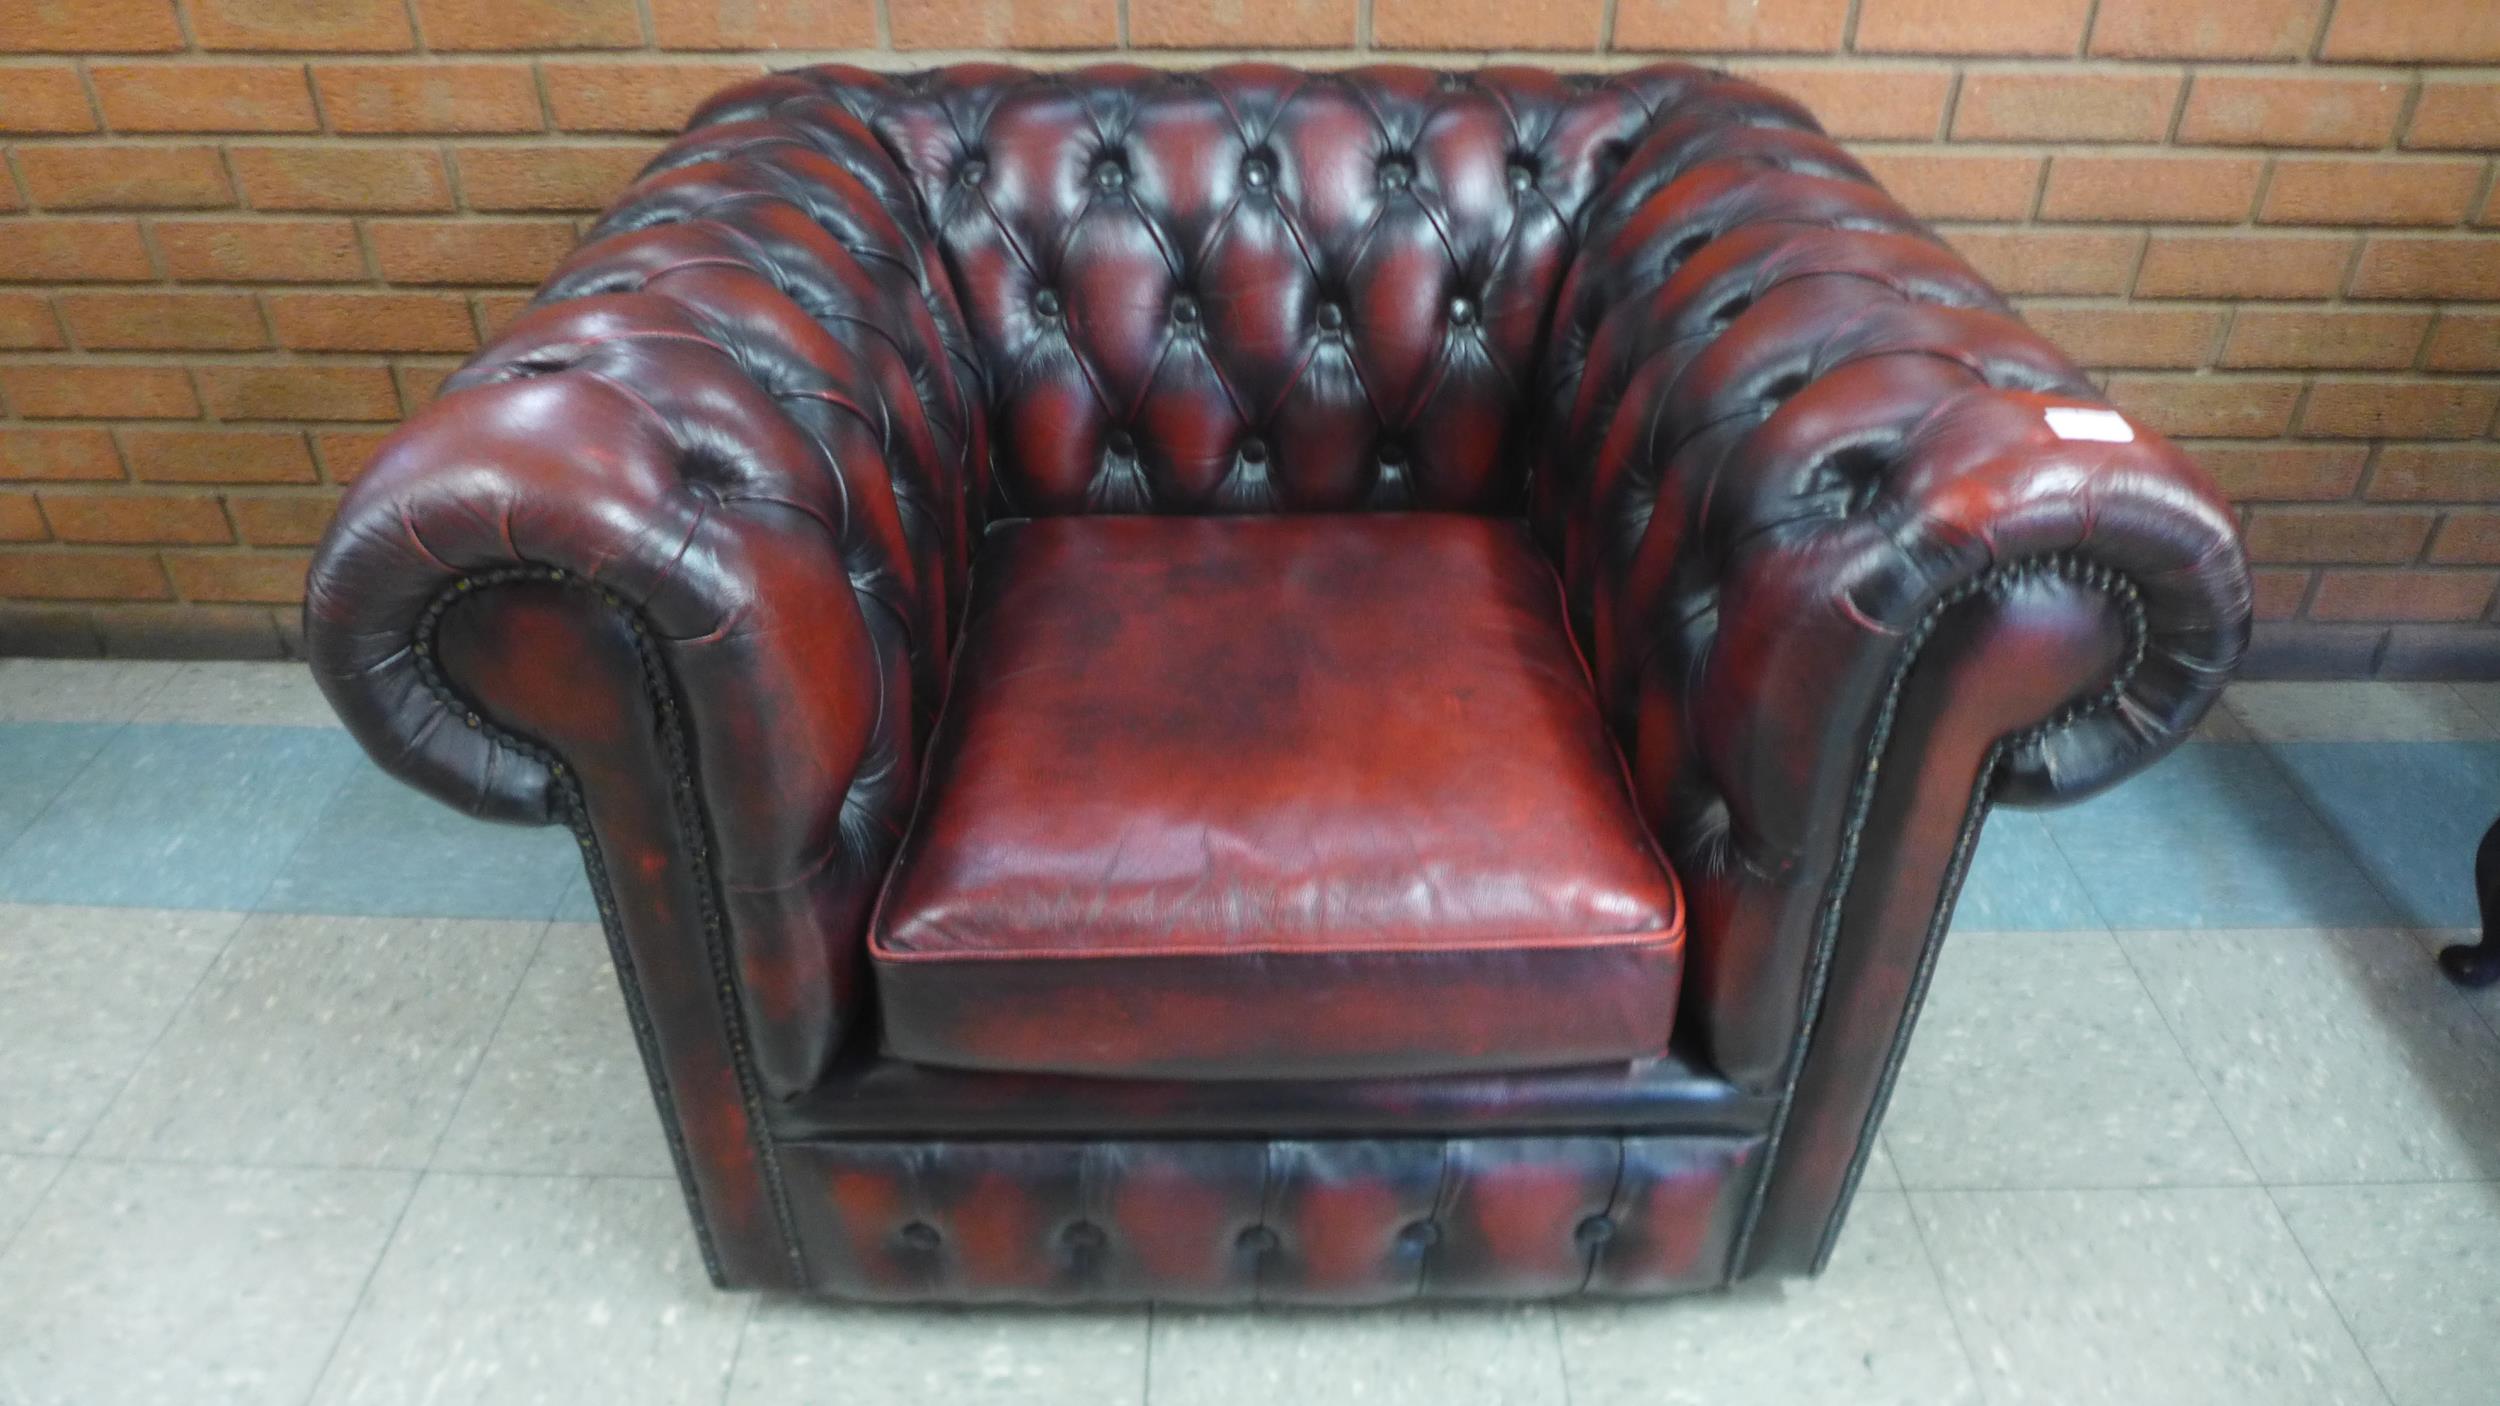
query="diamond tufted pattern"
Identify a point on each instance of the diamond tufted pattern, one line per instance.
(680, 559)
(745, 415)
(1252, 289)
(1248, 1220)
(1785, 426)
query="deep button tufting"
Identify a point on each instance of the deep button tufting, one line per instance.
(1185, 310)
(1110, 173)
(1855, 475)
(1244, 1220)
(833, 202)
(1745, 281)
(1595, 1230)
(1462, 312)
(1418, 1236)
(1391, 454)
(1121, 445)
(1331, 317)
(1253, 135)
(1083, 1236)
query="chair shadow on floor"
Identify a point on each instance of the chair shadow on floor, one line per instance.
(2449, 1039)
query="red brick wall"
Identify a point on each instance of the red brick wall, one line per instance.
(244, 236)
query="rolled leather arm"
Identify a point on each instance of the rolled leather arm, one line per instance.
(1796, 435)
(735, 432)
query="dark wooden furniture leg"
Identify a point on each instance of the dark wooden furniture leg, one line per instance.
(2478, 963)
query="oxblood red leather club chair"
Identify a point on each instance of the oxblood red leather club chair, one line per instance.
(1260, 685)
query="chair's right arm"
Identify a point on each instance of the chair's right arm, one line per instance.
(672, 562)
(1858, 554)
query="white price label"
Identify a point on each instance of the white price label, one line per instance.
(2086, 422)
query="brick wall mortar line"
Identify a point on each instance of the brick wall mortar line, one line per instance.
(2091, 23)
(884, 57)
(2179, 105)
(2317, 39)
(150, 270)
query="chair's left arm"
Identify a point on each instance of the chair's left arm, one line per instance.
(1857, 554)
(672, 562)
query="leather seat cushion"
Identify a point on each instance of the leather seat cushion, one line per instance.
(1317, 796)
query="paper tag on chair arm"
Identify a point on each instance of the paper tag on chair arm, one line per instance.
(2087, 422)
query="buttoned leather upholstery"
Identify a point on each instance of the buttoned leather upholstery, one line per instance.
(1271, 797)
(1363, 1220)
(680, 560)
(1252, 289)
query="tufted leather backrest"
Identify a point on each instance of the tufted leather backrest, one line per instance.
(1254, 288)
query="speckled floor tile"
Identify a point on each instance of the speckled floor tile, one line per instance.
(338, 1042)
(577, 906)
(2039, 1061)
(2220, 724)
(383, 849)
(562, 1087)
(2412, 813)
(2416, 1271)
(2358, 712)
(220, 691)
(2336, 1056)
(2483, 698)
(2486, 999)
(23, 1181)
(196, 1285)
(796, 1350)
(1427, 1355)
(79, 690)
(83, 993)
(2212, 836)
(2175, 1297)
(37, 762)
(1871, 1331)
(178, 817)
(537, 1289)
(2020, 881)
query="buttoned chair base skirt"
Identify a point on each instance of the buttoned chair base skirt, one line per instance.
(1260, 686)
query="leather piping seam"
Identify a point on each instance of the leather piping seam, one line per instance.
(2065, 565)
(693, 835)
(1666, 939)
(1931, 948)
(1745, 1123)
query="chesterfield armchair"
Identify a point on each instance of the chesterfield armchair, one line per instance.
(1259, 685)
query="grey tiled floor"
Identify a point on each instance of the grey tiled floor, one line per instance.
(286, 1115)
